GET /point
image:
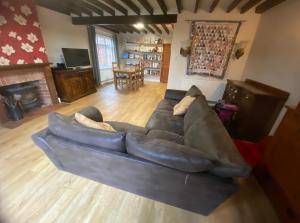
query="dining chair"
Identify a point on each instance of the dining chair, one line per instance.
(119, 78)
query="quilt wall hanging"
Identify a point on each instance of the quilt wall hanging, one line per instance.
(211, 46)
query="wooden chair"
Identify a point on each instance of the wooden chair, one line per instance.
(141, 75)
(119, 79)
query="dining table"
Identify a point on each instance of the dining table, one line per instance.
(127, 70)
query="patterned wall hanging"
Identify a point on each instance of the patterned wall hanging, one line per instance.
(211, 46)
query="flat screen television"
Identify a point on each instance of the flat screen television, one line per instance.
(76, 57)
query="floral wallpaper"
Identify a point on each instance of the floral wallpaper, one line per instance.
(21, 40)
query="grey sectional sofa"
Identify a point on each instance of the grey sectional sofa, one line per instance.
(186, 161)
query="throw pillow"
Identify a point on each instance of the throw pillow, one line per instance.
(182, 107)
(83, 120)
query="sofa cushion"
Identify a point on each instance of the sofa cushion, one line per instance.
(167, 153)
(63, 126)
(165, 135)
(165, 120)
(210, 137)
(182, 107)
(166, 104)
(92, 112)
(193, 92)
(87, 122)
(198, 109)
(126, 127)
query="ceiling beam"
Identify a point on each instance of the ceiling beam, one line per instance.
(53, 6)
(165, 28)
(156, 28)
(102, 6)
(213, 5)
(147, 27)
(233, 4)
(117, 6)
(179, 6)
(121, 28)
(147, 6)
(133, 29)
(131, 19)
(75, 5)
(92, 8)
(249, 5)
(132, 6)
(267, 5)
(110, 28)
(196, 6)
(163, 6)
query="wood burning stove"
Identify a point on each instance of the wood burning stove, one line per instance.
(20, 98)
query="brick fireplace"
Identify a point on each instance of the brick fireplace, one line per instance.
(39, 75)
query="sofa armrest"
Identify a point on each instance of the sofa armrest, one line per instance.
(174, 94)
(167, 153)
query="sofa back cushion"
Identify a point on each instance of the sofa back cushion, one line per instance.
(210, 137)
(193, 92)
(167, 153)
(65, 127)
(198, 109)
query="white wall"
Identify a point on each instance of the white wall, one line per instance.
(58, 32)
(274, 58)
(212, 88)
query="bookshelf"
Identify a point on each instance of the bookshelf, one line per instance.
(148, 53)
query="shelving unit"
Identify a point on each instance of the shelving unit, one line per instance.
(134, 53)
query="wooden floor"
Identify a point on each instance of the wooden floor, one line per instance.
(33, 190)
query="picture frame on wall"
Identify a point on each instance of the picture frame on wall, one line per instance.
(211, 47)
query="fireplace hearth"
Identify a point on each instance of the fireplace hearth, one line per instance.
(20, 98)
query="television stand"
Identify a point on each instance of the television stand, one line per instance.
(74, 84)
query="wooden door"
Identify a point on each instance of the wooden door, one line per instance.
(165, 63)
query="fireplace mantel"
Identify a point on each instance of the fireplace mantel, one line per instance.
(23, 66)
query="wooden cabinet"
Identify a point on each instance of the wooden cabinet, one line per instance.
(278, 171)
(165, 63)
(74, 84)
(259, 105)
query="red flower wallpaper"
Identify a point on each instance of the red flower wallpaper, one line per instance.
(21, 40)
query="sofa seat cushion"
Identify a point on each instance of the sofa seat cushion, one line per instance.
(127, 127)
(165, 120)
(165, 135)
(65, 127)
(210, 137)
(166, 104)
(167, 153)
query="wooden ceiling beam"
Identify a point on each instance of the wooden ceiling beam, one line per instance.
(156, 28)
(196, 6)
(112, 29)
(233, 5)
(54, 6)
(133, 29)
(102, 6)
(147, 6)
(249, 5)
(165, 28)
(268, 4)
(213, 5)
(147, 27)
(132, 6)
(117, 6)
(131, 19)
(179, 6)
(121, 28)
(163, 6)
(92, 8)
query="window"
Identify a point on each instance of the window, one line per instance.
(106, 51)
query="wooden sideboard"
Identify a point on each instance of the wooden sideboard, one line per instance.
(259, 106)
(74, 84)
(278, 171)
